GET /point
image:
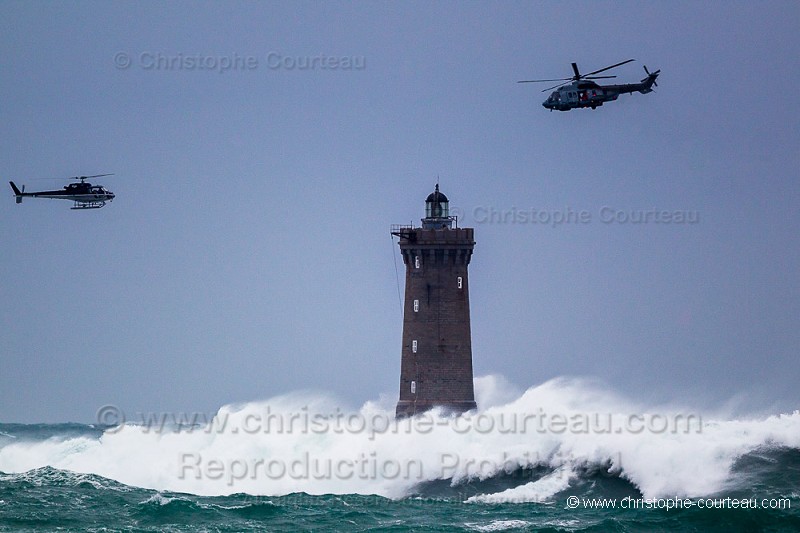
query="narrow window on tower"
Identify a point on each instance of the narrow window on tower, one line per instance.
(414, 346)
(413, 387)
(460, 282)
(416, 261)
(416, 306)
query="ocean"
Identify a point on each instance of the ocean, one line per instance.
(565, 455)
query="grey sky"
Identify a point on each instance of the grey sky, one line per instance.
(248, 254)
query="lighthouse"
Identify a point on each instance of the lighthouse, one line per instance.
(436, 360)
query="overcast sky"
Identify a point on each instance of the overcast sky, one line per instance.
(248, 254)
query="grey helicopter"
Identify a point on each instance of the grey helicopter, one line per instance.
(579, 91)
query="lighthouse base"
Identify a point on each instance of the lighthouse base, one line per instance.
(406, 408)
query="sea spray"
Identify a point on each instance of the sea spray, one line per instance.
(554, 430)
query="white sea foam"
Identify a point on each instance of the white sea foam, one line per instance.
(563, 425)
(159, 499)
(538, 491)
(499, 525)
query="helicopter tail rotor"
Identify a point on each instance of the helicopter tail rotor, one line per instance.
(652, 75)
(17, 193)
(650, 81)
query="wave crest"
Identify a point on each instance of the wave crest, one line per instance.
(305, 443)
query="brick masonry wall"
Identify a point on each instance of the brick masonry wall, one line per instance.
(441, 368)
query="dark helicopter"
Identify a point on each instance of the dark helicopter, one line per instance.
(83, 194)
(578, 91)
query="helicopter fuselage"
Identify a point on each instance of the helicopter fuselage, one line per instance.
(582, 94)
(85, 195)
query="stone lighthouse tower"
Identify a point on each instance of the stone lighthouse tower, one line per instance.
(436, 364)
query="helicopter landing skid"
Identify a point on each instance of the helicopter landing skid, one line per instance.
(88, 205)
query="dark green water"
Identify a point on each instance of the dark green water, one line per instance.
(48, 499)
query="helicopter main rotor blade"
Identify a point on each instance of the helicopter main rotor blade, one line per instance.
(575, 70)
(598, 77)
(538, 81)
(89, 177)
(556, 86)
(607, 68)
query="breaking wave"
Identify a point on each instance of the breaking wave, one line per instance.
(563, 435)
